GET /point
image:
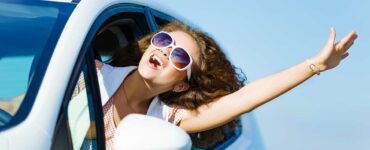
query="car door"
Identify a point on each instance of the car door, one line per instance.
(80, 123)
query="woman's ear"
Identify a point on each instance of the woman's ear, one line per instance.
(180, 87)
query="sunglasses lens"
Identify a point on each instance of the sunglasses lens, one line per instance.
(180, 58)
(161, 40)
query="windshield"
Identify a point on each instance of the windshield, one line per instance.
(28, 33)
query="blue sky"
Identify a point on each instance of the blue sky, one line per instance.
(330, 111)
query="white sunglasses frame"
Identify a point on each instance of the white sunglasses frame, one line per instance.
(188, 67)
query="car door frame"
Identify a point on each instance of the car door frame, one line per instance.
(86, 52)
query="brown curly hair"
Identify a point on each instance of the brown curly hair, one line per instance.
(212, 77)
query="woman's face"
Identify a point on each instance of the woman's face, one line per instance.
(164, 74)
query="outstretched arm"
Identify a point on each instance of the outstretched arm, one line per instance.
(261, 91)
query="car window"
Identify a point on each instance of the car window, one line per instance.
(22, 49)
(78, 124)
(81, 120)
(230, 136)
(118, 32)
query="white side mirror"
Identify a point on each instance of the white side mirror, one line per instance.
(144, 132)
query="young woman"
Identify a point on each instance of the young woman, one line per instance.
(184, 77)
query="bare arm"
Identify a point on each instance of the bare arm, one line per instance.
(262, 91)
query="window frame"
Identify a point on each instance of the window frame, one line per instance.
(160, 15)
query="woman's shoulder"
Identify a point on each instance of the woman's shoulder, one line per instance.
(110, 78)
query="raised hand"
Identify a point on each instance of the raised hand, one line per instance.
(332, 53)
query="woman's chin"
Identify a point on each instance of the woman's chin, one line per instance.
(147, 72)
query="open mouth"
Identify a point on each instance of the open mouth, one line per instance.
(156, 62)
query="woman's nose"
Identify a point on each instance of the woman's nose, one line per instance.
(165, 51)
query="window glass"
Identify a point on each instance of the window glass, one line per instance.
(80, 114)
(230, 136)
(24, 33)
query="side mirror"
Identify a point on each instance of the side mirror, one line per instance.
(144, 132)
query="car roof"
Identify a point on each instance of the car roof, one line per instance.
(157, 5)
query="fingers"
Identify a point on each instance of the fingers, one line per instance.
(345, 55)
(332, 36)
(98, 64)
(353, 37)
(347, 41)
(347, 46)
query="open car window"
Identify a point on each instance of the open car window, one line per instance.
(118, 32)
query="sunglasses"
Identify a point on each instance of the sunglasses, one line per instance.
(179, 58)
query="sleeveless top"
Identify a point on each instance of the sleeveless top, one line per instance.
(110, 78)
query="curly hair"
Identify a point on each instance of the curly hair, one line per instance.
(212, 77)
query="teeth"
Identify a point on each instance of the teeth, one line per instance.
(158, 60)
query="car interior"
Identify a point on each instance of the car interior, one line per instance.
(118, 33)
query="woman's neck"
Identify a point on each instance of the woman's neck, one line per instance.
(138, 91)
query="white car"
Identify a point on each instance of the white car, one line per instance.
(49, 95)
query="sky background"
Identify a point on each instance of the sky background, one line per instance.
(330, 111)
